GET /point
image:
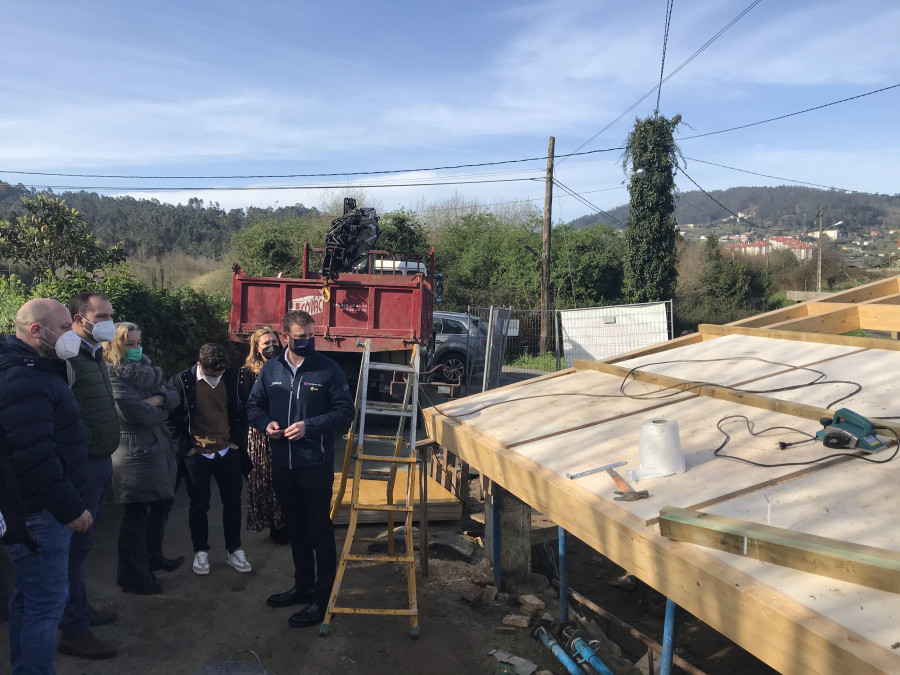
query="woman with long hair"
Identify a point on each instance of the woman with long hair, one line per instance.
(263, 509)
(144, 464)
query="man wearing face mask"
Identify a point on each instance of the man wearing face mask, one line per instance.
(46, 448)
(210, 428)
(92, 321)
(299, 401)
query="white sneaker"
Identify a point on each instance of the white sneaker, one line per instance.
(201, 563)
(238, 561)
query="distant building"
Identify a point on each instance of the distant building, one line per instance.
(799, 248)
(832, 234)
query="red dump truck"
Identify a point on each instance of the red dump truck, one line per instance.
(387, 299)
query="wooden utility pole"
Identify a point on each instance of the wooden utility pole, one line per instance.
(819, 282)
(545, 251)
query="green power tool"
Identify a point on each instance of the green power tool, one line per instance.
(848, 429)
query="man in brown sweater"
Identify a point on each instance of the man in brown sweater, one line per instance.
(211, 430)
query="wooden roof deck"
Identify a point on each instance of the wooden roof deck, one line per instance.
(527, 436)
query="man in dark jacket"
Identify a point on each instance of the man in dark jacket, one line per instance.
(212, 433)
(92, 316)
(47, 445)
(299, 400)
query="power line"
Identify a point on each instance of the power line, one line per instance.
(662, 67)
(301, 175)
(670, 76)
(589, 204)
(239, 188)
(793, 114)
(751, 223)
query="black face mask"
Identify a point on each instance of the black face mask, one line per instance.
(303, 346)
(271, 352)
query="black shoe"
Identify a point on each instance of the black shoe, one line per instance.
(308, 616)
(279, 535)
(87, 646)
(149, 589)
(292, 597)
(166, 564)
(101, 617)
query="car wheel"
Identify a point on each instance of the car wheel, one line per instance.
(453, 368)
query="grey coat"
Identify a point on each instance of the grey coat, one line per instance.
(144, 464)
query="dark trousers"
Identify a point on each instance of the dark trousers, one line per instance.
(140, 541)
(198, 471)
(305, 497)
(75, 619)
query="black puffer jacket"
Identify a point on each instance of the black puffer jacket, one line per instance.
(45, 436)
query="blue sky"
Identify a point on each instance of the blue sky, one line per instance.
(225, 88)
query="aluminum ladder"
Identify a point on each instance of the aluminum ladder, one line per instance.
(403, 459)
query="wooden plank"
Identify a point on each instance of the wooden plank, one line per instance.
(799, 336)
(876, 289)
(837, 321)
(893, 299)
(442, 505)
(879, 317)
(660, 347)
(864, 565)
(756, 487)
(780, 631)
(775, 316)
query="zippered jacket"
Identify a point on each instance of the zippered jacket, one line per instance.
(185, 383)
(94, 394)
(46, 443)
(317, 395)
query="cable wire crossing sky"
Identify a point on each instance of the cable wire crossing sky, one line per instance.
(249, 94)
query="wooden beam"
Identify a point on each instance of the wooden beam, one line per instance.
(822, 338)
(884, 300)
(785, 634)
(879, 317)
(775, 316)
(693, 338)
(871, 291)
(834, 322)
(858, 564)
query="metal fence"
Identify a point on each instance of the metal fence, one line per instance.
(516, 347)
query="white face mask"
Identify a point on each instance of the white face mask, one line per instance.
(211, 381)
(67, 344)
(103, 331)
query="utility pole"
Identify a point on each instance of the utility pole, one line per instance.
(545, 250)
(819, 282)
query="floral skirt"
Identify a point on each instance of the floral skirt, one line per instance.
(263, 509)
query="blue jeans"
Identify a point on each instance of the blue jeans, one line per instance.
(40, 592)
(75, 621)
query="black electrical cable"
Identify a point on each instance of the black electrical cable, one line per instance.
(735, 458)
(662, 67)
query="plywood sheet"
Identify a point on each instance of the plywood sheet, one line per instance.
(442, 505)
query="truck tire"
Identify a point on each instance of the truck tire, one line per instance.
(453, 368)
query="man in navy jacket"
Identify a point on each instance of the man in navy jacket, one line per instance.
(47, 451)
(299, 400)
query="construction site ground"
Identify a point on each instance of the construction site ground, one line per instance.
(201, 621)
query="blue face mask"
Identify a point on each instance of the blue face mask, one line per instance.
(303, 346)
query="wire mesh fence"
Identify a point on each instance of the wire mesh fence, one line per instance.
(519, 344)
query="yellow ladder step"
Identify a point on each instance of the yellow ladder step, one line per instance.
(382, 507)
(373, 557)
(373, 610)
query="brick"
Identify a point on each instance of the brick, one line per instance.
(532, 603)
(516, 620)
(490, 594)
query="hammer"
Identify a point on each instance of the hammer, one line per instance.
(626, 492)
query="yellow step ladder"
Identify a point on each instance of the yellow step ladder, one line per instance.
(403, 459)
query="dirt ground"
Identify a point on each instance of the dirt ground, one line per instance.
(201, 621)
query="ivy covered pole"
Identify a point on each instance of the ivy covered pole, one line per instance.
(650, 256)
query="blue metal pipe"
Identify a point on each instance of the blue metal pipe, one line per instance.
(668, 645)
(563, 578)
(580, 646)
(559, 652)
(495, 532)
